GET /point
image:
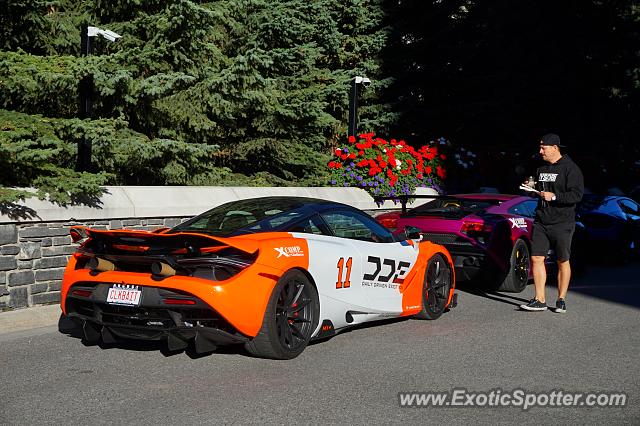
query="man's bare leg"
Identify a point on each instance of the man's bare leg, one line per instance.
(564, 275)
(540, 277)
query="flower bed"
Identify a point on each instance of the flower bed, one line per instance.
(386, 168)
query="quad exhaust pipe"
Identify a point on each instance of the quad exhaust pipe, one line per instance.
(97, 264)
(161, 269)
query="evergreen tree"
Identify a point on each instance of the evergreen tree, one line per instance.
(232, 92)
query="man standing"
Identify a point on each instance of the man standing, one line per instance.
(561, 186)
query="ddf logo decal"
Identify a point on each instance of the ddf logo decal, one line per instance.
(518, 222)
(293, 251)
(547, 177)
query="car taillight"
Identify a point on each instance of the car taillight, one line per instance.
(469, 227)
(81, 293)
(389, 222)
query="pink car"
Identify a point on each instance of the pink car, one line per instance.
(488, 235)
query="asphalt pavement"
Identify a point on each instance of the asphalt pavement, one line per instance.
(50, 377)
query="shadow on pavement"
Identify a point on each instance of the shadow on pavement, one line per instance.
(479, 289)
(613, 283)
(606, 281)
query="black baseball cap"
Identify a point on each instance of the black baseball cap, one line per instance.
(551, 139)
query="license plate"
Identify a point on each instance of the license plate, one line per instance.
(124, 295)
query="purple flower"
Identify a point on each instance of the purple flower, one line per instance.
(359, 177)
(333, 182)
(345, 150)
(346, 184)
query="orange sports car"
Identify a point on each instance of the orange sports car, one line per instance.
(270, 273)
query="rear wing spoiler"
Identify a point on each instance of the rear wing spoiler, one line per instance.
(404, 199)
(149, 238)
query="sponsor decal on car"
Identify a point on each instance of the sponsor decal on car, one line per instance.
(291, 251)
(518, 222)
(392, 276)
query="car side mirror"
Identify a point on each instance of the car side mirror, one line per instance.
(412, 233)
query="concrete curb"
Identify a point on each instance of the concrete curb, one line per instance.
(26, 319)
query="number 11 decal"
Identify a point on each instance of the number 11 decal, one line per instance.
(346, 283)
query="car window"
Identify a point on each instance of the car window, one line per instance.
(275, 219)
(629, 207)
(230, 221)
(451, 207)
(245, 216)
(526, 208)
(351, 224)
(307, 226)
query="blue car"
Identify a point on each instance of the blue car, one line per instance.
(613, 223)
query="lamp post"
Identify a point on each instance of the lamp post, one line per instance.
(353, 102)
(86, 89)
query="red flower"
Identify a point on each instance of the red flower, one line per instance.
(352, 139)
(428, 170)
(441, 172)
(444, 157)
(338, 165)
(383, 164)
(332, 164)
(352, 155)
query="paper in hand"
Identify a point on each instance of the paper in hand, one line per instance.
(529, 189)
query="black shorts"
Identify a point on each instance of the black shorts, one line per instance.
(557, 236)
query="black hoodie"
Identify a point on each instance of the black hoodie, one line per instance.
(565, 180)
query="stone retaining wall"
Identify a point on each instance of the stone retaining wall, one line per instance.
(33, 257)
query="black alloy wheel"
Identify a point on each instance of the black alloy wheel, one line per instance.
(436, 288)
(294, 314)
(289, 320)
(517, 276)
